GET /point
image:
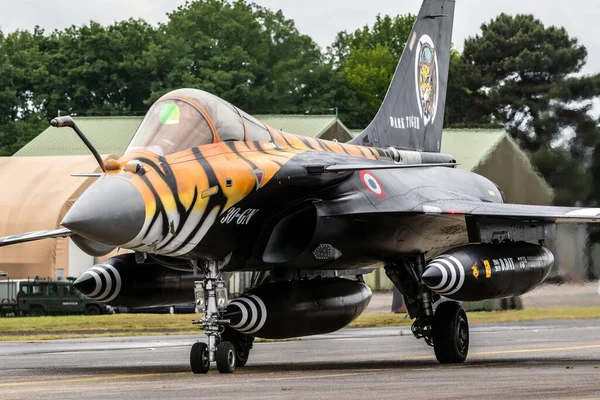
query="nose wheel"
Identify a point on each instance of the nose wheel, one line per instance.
(450, 333)
(199, 359)
(225, 357)
(242, 344)
(226, 347)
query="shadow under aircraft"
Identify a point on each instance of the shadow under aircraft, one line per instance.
(205, 190)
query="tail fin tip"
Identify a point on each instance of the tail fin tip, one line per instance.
(411, 115)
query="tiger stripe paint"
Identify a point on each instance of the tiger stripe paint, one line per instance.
(177, 216)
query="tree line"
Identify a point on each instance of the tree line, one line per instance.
(515, 73)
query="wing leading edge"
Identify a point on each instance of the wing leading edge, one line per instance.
(514, 211)
(361, 167)
(36, 235)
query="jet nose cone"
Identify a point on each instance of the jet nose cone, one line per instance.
(86, 284)
(111, 211)
(433, 276)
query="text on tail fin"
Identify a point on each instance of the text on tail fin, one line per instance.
(411, 115)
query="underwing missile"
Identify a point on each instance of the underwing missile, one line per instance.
(287, 309)
(488, 271)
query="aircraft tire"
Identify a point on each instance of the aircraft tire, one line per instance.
(450, 333)
(199, 360)
(225, 357)
(241, 355)
(242, 347)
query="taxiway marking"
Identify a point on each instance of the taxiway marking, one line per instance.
(297, 378)
(552, 349)
(131, 376)
(493, 353)
(99, 378)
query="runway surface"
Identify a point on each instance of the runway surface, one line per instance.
(550, 360)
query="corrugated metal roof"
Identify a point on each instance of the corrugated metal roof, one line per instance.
(526, 159)
(470, 147)
(303, 125)
(111, 135)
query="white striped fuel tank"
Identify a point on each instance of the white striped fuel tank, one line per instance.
(287, 309)
(488, 271)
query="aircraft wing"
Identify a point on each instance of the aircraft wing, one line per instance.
(360, 167)
(31, 236)
(516, 211)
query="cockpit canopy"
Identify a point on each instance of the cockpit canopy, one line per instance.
(187, 118)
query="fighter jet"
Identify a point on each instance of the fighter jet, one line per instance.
(205, 190)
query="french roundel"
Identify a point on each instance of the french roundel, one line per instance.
(370, 182)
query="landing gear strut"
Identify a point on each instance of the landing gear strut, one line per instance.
(446, 329)
(225, 346)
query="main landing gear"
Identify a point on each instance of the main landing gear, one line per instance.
(446, 329)
(450, 330)
(227, 347)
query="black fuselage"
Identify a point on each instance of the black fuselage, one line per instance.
(297, 211)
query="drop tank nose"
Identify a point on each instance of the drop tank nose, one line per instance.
(433, 276)
(86, 284)
(111, 211)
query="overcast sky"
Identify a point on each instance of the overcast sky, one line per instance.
(321, 19)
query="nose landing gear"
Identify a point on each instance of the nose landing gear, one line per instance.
(211, 302)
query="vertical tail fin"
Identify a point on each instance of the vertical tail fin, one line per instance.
(412, 113)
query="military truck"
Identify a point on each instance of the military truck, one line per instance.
(37, 297)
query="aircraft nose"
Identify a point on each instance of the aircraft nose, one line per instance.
(111, 211)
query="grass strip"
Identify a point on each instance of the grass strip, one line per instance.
(532, 314)
(81, 326)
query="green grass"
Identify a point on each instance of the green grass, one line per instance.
(532, 314)
(81, 326)
(80, 335)
(45, 328)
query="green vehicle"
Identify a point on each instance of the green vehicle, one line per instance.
(45, 297)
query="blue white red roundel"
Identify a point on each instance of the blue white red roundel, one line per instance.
(368, 179)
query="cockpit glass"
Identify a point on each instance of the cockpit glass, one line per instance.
(224, 116)
(172, 125)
